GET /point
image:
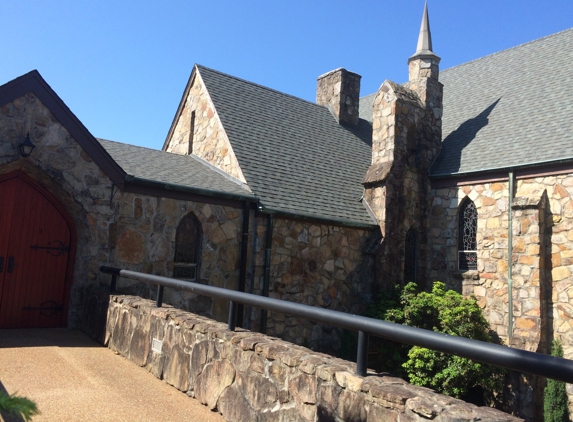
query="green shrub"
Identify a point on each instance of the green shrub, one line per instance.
(555, 406)
(447, 312)
(17, 406)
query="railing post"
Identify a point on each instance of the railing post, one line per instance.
(113, 283)
(159, 301)
(362, 355)
(232, 322)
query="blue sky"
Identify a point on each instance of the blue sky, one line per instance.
(122, 66)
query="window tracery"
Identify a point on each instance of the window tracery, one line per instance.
(467, 238)
(188, 239)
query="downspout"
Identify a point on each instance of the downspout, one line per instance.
(510, 258)
(243, 258)
(249, 322)
(267, 275)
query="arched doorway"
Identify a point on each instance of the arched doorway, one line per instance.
(37, 243)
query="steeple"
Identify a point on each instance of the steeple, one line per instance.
(424, 57)
(425, 38)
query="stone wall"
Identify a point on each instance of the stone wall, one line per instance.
(251, 377)
(405, 139)
(317, 265)
(61, 165)
(542, 258)
(130, 231)
(209, 140)
(143, 239)
(542, 251)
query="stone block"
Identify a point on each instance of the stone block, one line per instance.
(234, 406)
(176, 370)
(212, 381)
(259, 391)
(304, 388)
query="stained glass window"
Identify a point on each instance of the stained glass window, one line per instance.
(467, 243)
(410, 254)
(187, 248)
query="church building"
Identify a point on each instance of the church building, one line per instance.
(463, 175)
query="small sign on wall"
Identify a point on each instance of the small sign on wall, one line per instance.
(157, 345)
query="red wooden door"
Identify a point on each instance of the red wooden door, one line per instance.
(35, 247)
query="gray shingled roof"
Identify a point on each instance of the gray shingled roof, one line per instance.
(184, 170)
(508, 109)
(294, 155)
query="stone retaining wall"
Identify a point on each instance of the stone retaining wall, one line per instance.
(247, 376)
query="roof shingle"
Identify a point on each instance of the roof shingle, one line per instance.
(294, 155)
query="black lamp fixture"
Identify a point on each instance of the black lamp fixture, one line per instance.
(26, 147)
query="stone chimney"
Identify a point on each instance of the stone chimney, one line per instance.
(340, 91)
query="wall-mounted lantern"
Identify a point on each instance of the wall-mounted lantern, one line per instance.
(26, 147)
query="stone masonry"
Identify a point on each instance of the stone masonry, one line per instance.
(130, 231)
(542, 258)
(318, 265)
(205, 133)
(406, 138)
(339, 90)
(247, 376)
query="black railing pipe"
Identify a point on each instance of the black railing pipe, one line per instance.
(362, 354)
(159, 299)
(513, 359)
(232, 320)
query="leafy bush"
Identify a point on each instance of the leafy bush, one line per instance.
(17, 406)
(444, 311)
(555, 396)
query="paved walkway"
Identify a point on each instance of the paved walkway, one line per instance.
(72, 378)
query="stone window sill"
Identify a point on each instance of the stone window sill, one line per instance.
(465, 275)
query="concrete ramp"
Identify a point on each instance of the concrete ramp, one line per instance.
(73, 378)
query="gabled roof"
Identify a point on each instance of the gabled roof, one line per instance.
(510, 109)
(174, 169)
(294, 155)
(32, 82)
(127, 165)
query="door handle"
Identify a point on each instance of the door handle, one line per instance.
(1, 264)
(10, 264)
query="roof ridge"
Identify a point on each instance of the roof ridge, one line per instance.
(132, 145)
(258, 85)
(507, 49)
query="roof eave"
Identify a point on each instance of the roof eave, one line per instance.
(317, 218)
(563, 165)
(131, 181)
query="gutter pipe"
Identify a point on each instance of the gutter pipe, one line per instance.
(310, 217)
(243, 258)
(139, 181)
(491, 170)
(267, 275)
(510, 257)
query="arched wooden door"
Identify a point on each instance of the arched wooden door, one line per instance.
(36, 248)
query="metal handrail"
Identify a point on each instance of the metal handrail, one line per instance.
(514, 359)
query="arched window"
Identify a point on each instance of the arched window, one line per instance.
(410, 256)
(187, 248)
(467, 229)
